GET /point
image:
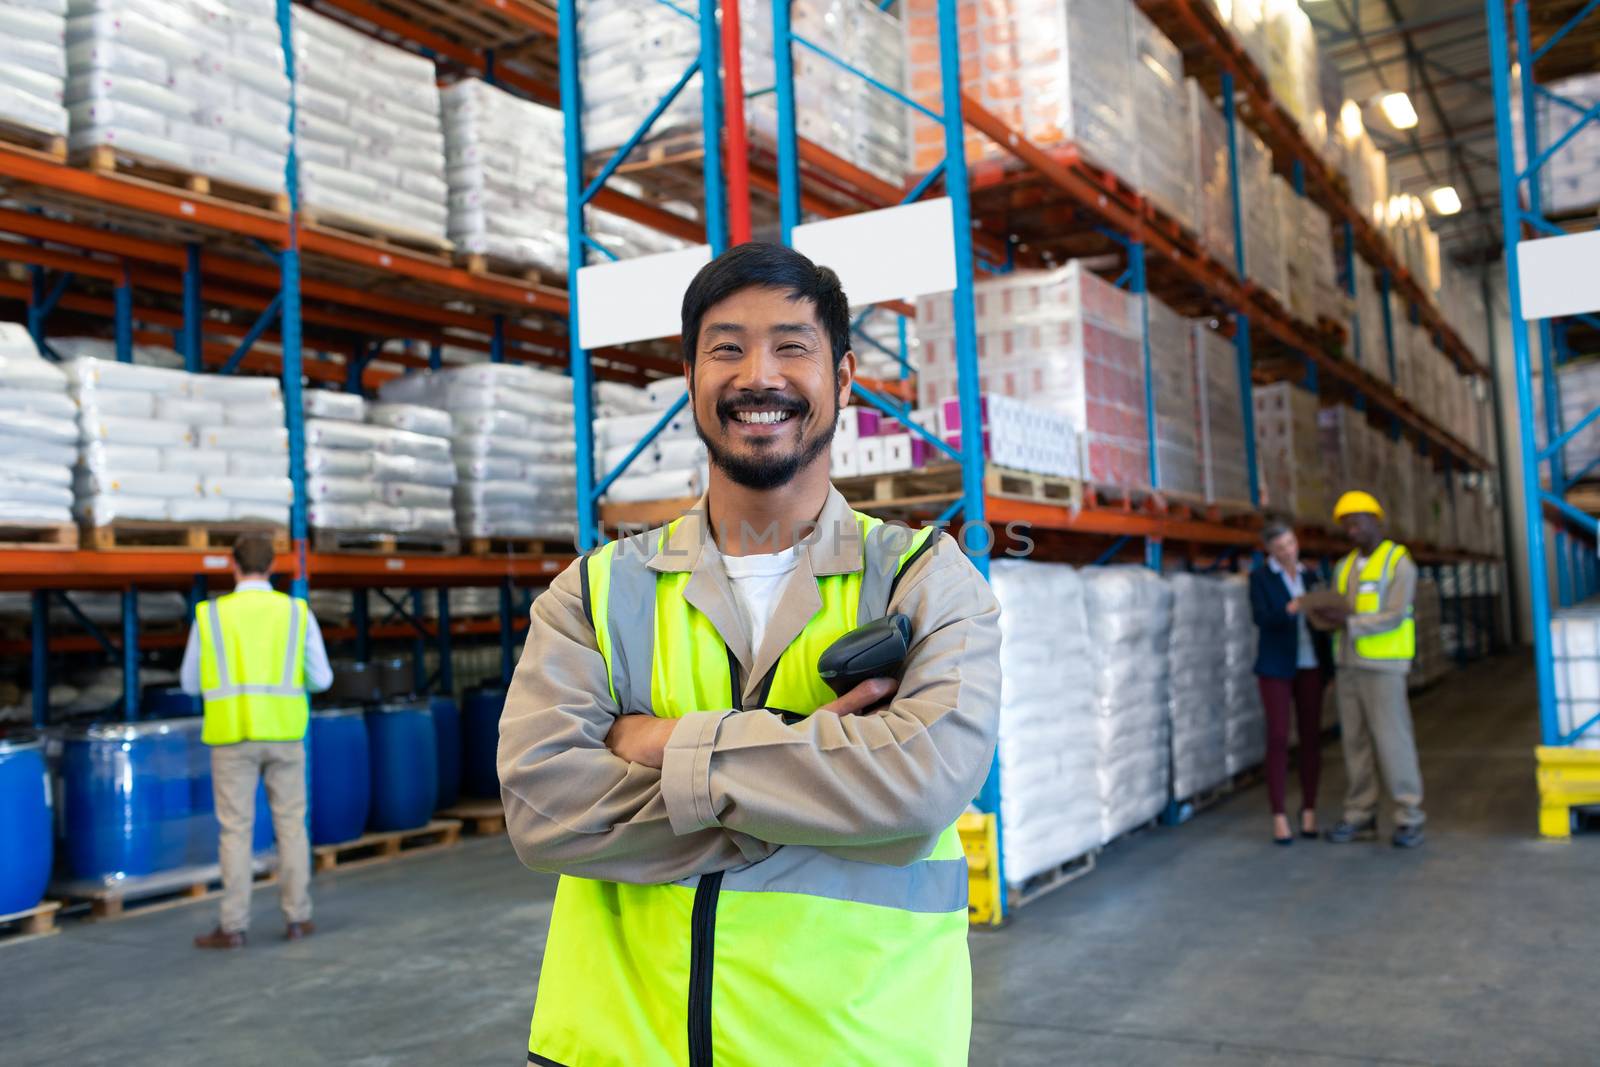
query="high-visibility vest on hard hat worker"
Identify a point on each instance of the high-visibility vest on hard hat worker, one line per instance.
(802, 958)
(1371, 588)
(253, 667)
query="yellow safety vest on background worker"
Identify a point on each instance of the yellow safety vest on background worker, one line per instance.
(802, 958)
(253, 667)
(1372, 586)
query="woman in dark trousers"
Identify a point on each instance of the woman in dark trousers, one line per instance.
(1294, 662)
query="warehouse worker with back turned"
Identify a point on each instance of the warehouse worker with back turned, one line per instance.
(755, 872)
(252, 655)
(1375, 649)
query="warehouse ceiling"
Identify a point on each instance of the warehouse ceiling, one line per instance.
(1437, 51)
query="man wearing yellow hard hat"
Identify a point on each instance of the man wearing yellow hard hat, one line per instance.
(1377, 642)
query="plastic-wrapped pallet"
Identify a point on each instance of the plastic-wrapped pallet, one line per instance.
(674, 466)
(1568, 180)
(1166, 163)
(630, 55)
(1430, 664)
(1049, 745)
(198, 87)
(1244, 723)
(1579, 384)
(38, 434)
(1060, 72)
(507, 176)
(511, 441)
(1349, 452)
(1130, 611)
(370, 142)
(390, 474)
(625, 238)
(835, 109)
(1213, 184)
(1370, 349)
(1289, 452)
(1172, 368)
(1065, 340)
(1222, 451)
(1575, 640)
(1263, 246)
(1195, 700)
(34, 69)
(1308, 246)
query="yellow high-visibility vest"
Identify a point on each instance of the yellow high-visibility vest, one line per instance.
(253, 667)
(1371, 588)
(802, 958)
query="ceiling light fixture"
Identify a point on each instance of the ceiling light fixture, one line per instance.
(1445, 200)
(1397, 109)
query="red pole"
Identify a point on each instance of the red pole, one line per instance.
(737, 143)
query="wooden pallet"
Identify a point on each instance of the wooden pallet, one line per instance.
(130, 535)
(389, 845)
(478, 815)
(1585, 497)
(37, 921)
(482, 263)
(53, 537)
(108, 159)
(942, 483)
(146, 896)
(645, 514)
(381, 232)
(514, 546)
(1053, 879)
(1041, 488)
(49, 145)
(369, 543)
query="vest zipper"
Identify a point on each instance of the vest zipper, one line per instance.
(703, 932)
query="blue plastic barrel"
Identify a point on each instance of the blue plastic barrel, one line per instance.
(447, 740)
(136, 799)
(405, 766)
(26, 851)
(167, 702)
(341, 775)
(480, 737)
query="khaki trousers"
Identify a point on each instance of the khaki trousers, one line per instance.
(235, 769)
(1375, 720)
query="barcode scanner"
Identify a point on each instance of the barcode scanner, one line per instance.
(876, 650)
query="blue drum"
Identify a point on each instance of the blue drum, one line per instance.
(341, 775)
(447, 740)
(405, 766)
(26, 851)
(167, 702)
(480, 737)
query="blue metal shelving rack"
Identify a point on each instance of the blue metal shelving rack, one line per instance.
(1544, 476)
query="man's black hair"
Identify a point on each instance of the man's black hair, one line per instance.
(767, 266)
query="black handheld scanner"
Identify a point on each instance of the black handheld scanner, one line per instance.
(876, 650)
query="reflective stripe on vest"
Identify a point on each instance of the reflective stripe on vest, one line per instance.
(1372, 589)
(251, 696)
(888, 943)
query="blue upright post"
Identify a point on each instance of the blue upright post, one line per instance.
(39, 647)
(130, 653)
(905, 361)
(289, 324)
(1152, 545)
(435, 356)
(788, 145)
(1241, 337)
(122, 316)
(1511, 227)
(192, 314)
(361, 622)
(711, 123)
(577, 358)
(497, 340)
(419, 647)
(508, 661)
(1350, 290)
(447, 671)
(198, 592)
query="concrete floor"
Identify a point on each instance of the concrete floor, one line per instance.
(1197, 945)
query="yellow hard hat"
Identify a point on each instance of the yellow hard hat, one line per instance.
(1356, 502)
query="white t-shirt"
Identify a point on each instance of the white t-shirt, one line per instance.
(757, 581)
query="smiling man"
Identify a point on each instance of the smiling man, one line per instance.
(755, 872)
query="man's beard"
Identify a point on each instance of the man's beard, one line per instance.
(763, 472)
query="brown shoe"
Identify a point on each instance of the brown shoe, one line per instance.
(299, 931)
(220, 938)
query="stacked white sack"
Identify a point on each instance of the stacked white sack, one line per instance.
(1244, 724)
(673, 466)
(370, 142)
(507, 176)
(512, 444)
(199, 86)
(163, 445)
(1049, 744)
(33, 65)
(380, 468)
(38, 433)
(1195, 699)
(1131, 611)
